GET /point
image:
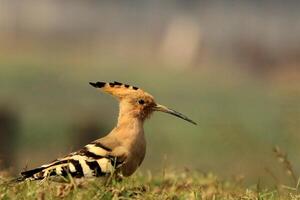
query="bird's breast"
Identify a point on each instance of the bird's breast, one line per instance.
(137, 151)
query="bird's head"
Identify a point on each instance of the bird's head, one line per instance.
(134, 101)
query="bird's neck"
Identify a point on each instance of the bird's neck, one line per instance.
(129, 121)
(128, 114)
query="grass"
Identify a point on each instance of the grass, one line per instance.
(171, 184)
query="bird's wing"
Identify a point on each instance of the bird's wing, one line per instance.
(92, 160)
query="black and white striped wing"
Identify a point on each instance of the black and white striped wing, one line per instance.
(91, 161)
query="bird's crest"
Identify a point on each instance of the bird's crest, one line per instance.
(118, 89)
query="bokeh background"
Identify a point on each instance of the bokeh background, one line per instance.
(232, 66)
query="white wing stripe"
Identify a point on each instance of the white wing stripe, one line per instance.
(96, 150)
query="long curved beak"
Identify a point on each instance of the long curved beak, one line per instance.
(172, 112)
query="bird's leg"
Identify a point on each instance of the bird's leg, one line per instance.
(119, 155)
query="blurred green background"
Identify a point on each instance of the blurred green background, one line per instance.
(231, 66)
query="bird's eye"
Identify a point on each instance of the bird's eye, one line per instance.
(141, 101)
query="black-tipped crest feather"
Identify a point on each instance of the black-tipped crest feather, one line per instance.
(117, 83)
(98, 84)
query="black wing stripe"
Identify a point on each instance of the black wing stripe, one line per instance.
(92, 155)
(65, 171)
(57, 162)
(30, 173)
(53, 172)
(95, 167)
(87, 153)
(78, 168)
(98, 144)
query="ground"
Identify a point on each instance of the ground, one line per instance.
(184, 184)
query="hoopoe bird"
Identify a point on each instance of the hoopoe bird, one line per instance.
(121, 151)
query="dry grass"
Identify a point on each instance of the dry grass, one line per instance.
(171, 185)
